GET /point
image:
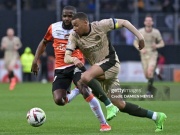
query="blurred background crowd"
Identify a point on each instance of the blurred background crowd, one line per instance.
(164, 13)
(90, 5)
(31, 18)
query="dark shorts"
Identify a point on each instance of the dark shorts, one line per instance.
(107, 65)
(64, 77)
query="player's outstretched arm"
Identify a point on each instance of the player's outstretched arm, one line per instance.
(130, 27)
(41, 48)
(160, 44)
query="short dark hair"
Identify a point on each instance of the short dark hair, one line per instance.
(149, 15)
(81, 16)
(70, 8)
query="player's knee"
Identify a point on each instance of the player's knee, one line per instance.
(150, 73)
(147, 77)
(146, 74)
(59, 101)
(59, 96)
(85, 78)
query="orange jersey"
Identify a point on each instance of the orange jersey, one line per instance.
(59, 37)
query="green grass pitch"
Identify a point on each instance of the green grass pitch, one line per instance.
(76, 118)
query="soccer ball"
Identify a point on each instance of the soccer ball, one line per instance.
(36, 117)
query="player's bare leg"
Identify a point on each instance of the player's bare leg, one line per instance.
(59, 96)
(12, 80)
(150, 76)
(72, 94)
(93, 103)
(96, 108)
(157, 72)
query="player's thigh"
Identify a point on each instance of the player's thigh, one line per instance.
(93, 72)
(7, 63)
(77, 75)
(152, 63)
(11, 61)
(60, 87)
(110, 67)
(62, 80)
(12, 64)
(144, 62)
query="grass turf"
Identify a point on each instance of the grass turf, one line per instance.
(76, 118)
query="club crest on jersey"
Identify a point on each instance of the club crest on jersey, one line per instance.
(97, 38)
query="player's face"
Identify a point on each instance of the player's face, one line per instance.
(10, 33)
(80, 26)
(67, 16)
(148, 22)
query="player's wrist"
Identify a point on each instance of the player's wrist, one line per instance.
(74, 59)
(35, 61)
(141, 39)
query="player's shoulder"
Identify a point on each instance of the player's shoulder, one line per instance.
(95, 23)
(156, 30)
(4, 38)
(141, 29)
(103, 21)
(57, 24)
(102, 25)
(56, 27)
(16, 38)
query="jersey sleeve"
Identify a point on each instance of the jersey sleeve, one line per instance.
(71, 45)
(48, 35)
(108, 24)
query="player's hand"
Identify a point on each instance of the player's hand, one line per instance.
(141, 44)
(3, 47)
(154, 46)
(143, 51)
(78, 63)
(16, 48)
(34, 68)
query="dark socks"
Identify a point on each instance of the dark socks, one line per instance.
(149, 114)
(10, 75)
(150, 83)
(98, 91)
(135, 110)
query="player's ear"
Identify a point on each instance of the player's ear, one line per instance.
(86, 22)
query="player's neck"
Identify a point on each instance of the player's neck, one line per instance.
(88, 30)
(148, 29)
(67, 27)
(10, 38)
